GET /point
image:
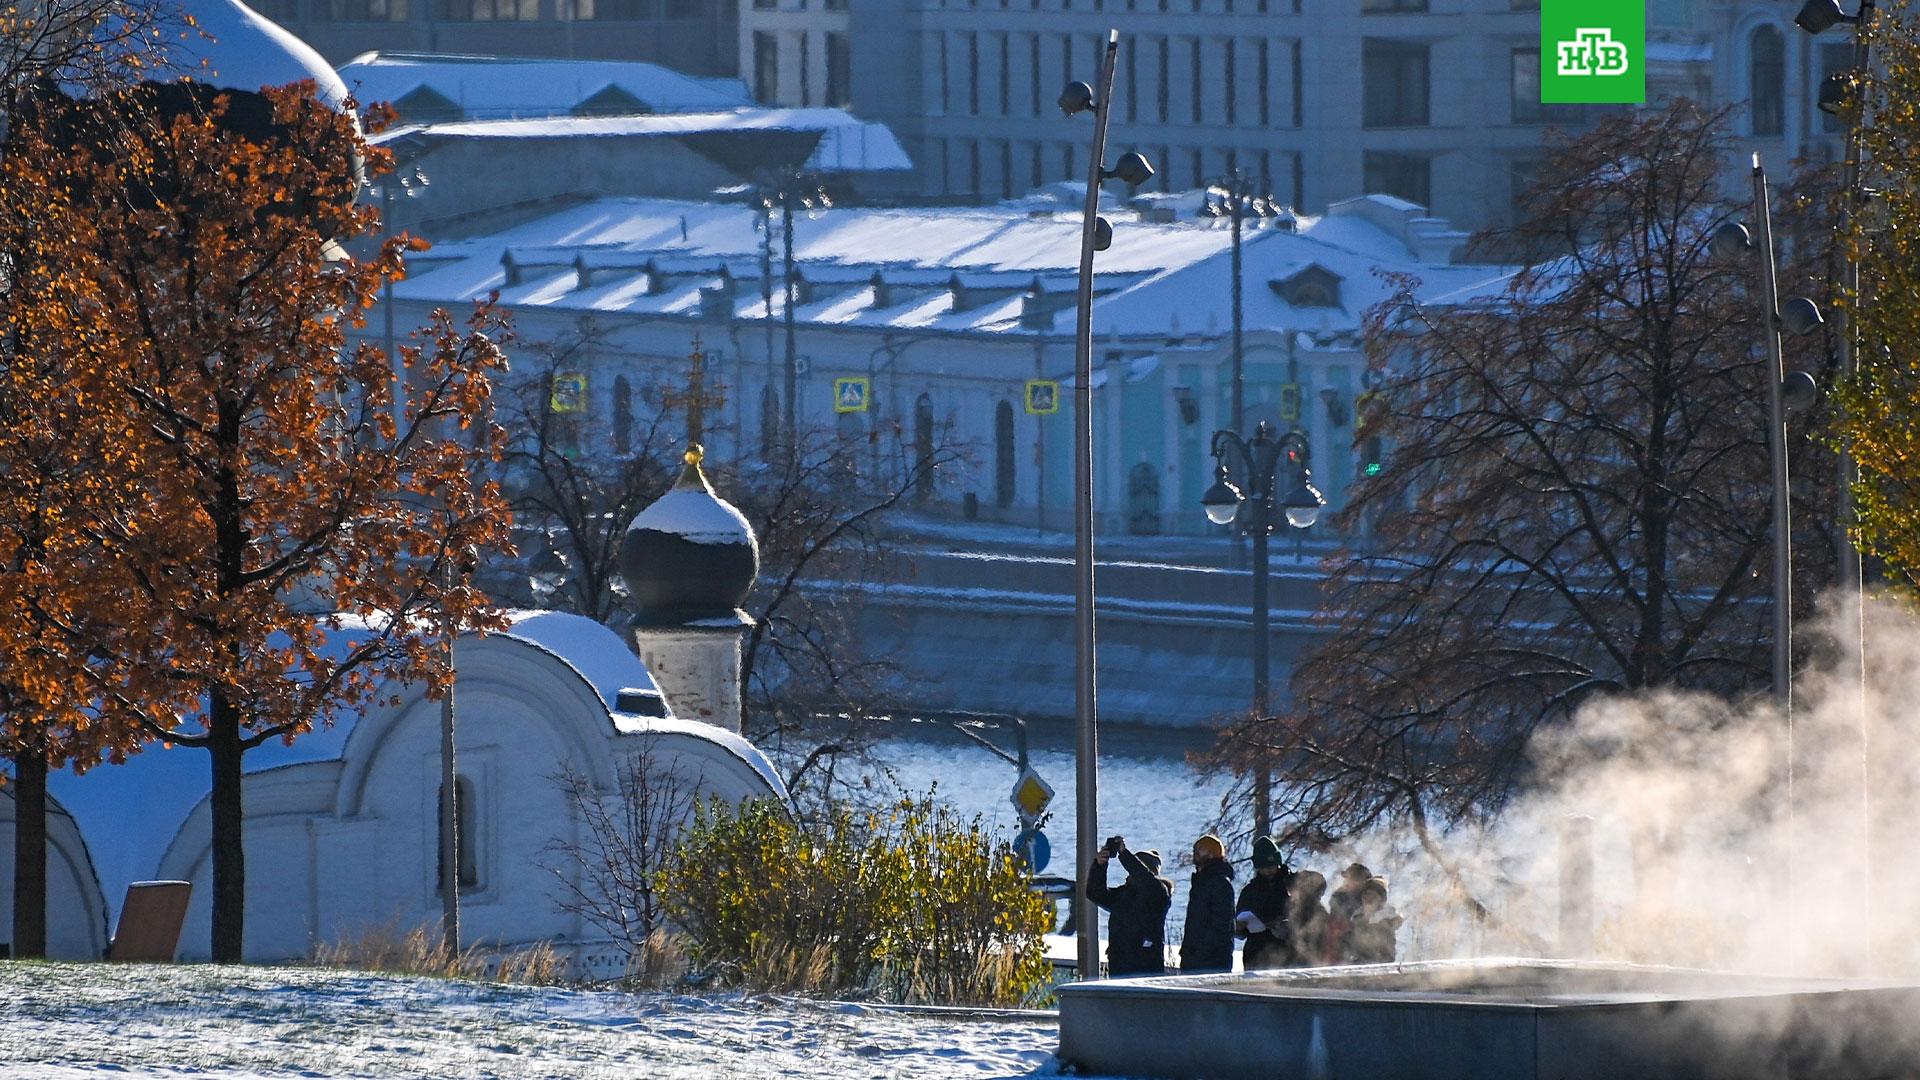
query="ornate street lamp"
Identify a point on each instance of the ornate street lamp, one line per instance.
(1263, 461)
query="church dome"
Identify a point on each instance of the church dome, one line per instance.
(690, 557)
(237, 48)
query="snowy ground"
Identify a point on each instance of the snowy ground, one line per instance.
(72, 1021)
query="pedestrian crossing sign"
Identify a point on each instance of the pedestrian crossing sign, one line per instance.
(1043, 397)
(849, 395)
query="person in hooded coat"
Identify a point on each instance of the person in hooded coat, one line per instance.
(1137, 909)
(1207, 944)
(1261, 913)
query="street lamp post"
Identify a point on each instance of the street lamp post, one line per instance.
(1259, 461)
(1095, 235)
(1785, 392)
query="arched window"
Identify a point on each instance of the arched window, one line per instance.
(1767, 59)
(923, 446)
(769, 423)
(623, 415)
(463, 818)
(1003, 457)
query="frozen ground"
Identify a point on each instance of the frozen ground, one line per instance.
(72, 1021)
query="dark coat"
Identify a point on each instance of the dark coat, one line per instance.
(1266, 899)
(1208, 942)
(1137, 926)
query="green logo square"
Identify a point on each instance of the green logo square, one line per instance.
(1593, 52)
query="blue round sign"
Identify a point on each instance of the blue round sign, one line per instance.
(1034, 850)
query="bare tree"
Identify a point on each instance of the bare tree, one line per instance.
(1574, 505)
(608, 874)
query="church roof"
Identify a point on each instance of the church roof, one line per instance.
(130, 813)
(236, 47)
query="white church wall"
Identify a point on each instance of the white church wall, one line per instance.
(76, 910)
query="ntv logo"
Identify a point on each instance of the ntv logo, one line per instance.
(1591, 52)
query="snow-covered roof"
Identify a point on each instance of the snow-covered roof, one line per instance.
(130, 813)
(847, 144)
(485, 87)
(232, 45)
(1156, 277)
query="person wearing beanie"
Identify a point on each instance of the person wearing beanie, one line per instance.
(1374, 926)
(1261, 913)
(1137, 909)
(1207, 944)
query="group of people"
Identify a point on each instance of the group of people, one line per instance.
(1282, 917)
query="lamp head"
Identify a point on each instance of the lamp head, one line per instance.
(1730, 242)
(1133, 169)
(1076, 98)
(1801, 315)
(1798, 391)
(1818, 16)
(1303, 503)
(1102, 234)
(1222, 500)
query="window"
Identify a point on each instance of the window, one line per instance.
(1006, 170)
(1006, 75)
(1404, 176)
(1394, 80)
(1166, 60)
(1299, 200)
(806, 71)
(1003, 455)
(1381, 7)
(946, 83)
(1231, 76)
(467, 867)
(769, 423)
(973, 76)
(622, 415)
(1833, 58)
(611, 10)
(923, 447)
(1039, 164)
(1132, 66)
(1299, 84)
(1768, 69)
(481, 10)
(839, 72)
(766, 67)
(973, 167)
(1195, 68)
(1524, 69)
(765, 5)
(686, 9)
(361, 10)
(1263, 69)
(1033, 69)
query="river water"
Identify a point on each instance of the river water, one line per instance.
(1148, 791)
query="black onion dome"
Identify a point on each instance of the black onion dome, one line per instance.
(690, 557)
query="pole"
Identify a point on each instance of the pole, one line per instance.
(1236, 199)
(449, 810)
(1851, 576)
(793, 360)
(766, 295)
(1086, 742)
(1782, 533)
(1262, 658)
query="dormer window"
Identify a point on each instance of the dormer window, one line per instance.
(1312, 287)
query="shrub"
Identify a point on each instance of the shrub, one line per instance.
(385, 948)
(910, 904)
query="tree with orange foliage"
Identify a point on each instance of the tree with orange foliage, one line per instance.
(302, 501)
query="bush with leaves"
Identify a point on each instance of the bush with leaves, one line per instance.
(909, 904)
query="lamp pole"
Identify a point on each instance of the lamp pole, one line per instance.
(1085, 702)
(449, 796)
(1258, 461)
(1095, 235)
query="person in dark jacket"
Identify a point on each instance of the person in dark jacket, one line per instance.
(1207, 944)
(1307, 921)
(1261, 913)
(1343, 907)
(1137, 926)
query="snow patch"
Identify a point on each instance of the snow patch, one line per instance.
(694, 515)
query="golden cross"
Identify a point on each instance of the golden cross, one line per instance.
(696, 397)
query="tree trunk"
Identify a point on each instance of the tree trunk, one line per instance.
(30, 851)
(229, 854)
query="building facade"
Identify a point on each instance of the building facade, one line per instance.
(1433, 101)
(944, 318)
(693, 36)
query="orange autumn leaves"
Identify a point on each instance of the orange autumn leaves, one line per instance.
(192, 451)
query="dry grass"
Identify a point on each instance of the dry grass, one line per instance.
(385, 948)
